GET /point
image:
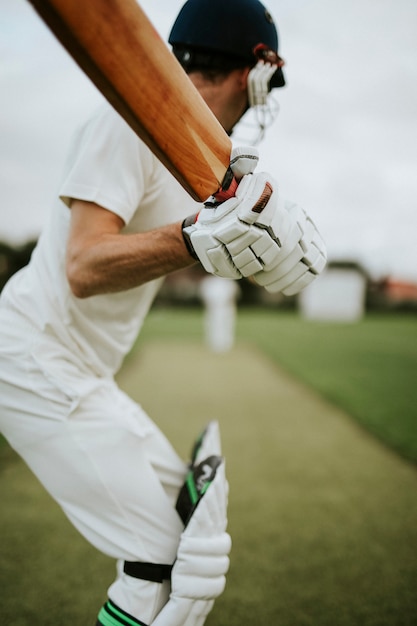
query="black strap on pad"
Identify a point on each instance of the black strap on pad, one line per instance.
(153, 572)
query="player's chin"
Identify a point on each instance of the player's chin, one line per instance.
(229, 131)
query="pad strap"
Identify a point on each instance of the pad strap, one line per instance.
(153, 572)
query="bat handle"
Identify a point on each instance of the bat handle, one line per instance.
(228, 188)
(243, 161)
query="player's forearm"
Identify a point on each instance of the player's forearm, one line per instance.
(118, 262)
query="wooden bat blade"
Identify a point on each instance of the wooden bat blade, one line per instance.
(118, 48)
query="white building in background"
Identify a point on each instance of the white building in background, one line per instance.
(339, 294)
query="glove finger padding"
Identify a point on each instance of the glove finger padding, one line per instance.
(212, 254)
(241, 240)
(302, 256)
(256, 195)
(243, 160)
(256, 233)
(204, 246)
(217, 223)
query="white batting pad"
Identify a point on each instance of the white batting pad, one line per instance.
(199, 573)
(210, 443)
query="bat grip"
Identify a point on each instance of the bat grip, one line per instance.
(228, 188)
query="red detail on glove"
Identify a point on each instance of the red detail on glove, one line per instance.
(264, 199)
(225, 194)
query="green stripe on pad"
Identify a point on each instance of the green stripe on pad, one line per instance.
(110, 615)
(192, 489)
(206, 486)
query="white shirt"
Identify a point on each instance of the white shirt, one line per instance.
(108, 164)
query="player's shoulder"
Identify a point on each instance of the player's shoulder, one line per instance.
(108, 127)
(105, 116)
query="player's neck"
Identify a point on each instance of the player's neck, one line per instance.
(227, 98)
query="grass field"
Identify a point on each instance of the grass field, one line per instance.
(368, 368)
(323, 517)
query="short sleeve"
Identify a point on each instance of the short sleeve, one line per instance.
(107, 165)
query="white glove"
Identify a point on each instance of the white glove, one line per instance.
(197, 229)
(257, 234)
(217, 225)
(242, 224)
(302, 255)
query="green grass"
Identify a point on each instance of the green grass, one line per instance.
(368, 368)
(323, 518)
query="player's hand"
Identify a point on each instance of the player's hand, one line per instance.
(290, 249)
(232, 231)
(200, 235)
(301, 254)
(258, 234)
(198, 230)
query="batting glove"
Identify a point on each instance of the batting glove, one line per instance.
(197, 229)
(301, 256)
(258, 234)
(291, 250)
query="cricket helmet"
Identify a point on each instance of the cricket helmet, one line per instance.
(225, 33)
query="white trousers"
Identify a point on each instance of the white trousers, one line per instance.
(96, 451)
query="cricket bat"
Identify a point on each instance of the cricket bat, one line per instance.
(118, 48)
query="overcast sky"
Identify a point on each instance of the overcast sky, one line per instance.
(344, 144)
